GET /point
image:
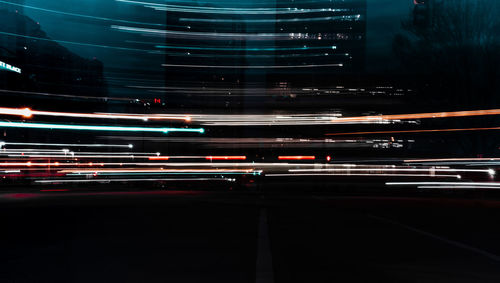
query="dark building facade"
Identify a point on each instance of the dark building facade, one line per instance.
(266, 42)
(45, 65)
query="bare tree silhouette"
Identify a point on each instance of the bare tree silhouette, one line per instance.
(457, 51)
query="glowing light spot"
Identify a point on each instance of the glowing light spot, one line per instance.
(26, 112)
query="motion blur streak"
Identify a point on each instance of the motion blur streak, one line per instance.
(138, 170)
(365, 175)
(205, 35)
(78, 15)
(224, 10)
(159, 158)
(75, 156)
(67, 144)
(421, 115)
(251, 120)
(97, 128)
(132, 180)
(296, 157)
(462, 187)
(257, 119)
(450, 159)
(26, 112)
(253, 66)
(445, 184)
(225, 157)
(74, 42)
(412, 131)
(429, 170)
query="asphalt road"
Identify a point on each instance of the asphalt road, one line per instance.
(214, 238)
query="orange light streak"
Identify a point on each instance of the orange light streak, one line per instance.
(412, 131)
(159, 158)
(420, 116)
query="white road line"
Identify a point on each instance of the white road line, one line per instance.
(457, 244)
(264, 265)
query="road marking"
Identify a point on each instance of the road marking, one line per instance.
(457, 244)
(264, 266)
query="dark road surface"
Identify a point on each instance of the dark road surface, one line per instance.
(204, 238)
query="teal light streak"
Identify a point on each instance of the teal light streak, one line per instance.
(317, 19)
(79, 15)
(72, 42)
(97, 128)
(229, 10)
(245, 49)
(183, 54)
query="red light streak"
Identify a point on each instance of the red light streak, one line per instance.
(300, 157)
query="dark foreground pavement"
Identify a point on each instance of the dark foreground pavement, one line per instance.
(178, 237)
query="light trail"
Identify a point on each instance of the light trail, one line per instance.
(226, 10)
(198, 157)
(140, 170)
(225, 157)
(27, 113)
(361, 174)
(429, 170)
(159, 158)
(451, 159)
(252, 66)
(74, 43)
(458, 187)
(252, 120)
(300, 157)
(252, 49)
(132, 180)
(484, 184)
(471, 113)
(206, 35)
(274, 20)
(66, 152)
(242, 120)
(79, 15)
(59, 95)
(2, 143)
(97, 128)
(413, 131)
(174, 164)
(71, 156)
